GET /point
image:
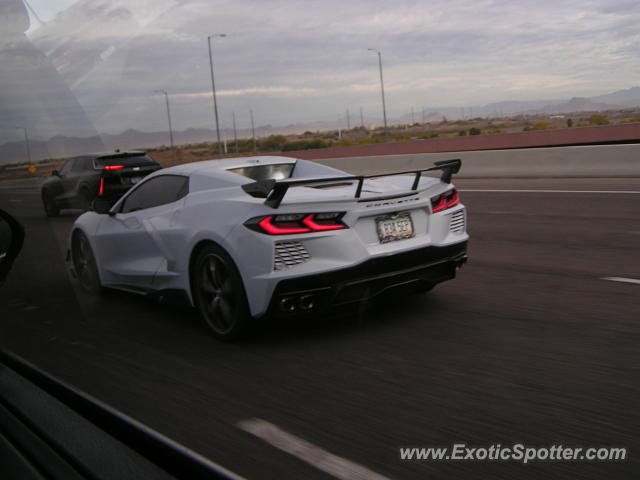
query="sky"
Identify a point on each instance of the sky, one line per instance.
(47, 9)
(294, 61)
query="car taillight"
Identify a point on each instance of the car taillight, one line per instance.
(287, 224)
(444, 201)
(280, 228)
(113, 167)
(101, 189)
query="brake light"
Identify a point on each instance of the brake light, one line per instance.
(285, 228)
(310, 221)
(101, 189)
(286, 224)
(445, 201)
(113, 167)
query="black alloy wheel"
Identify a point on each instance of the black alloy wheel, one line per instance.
(219, 294)
(84, 264)
(49, 203)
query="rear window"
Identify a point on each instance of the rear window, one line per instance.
(266, 172)
(126, 160)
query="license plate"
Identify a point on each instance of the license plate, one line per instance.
(394, 227)
(134, 179)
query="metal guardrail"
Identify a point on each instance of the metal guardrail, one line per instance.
(26, 167)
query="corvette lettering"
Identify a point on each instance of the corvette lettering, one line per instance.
(392, 202)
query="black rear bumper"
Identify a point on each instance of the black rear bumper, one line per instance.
(405, 272)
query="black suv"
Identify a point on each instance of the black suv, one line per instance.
(84, 178)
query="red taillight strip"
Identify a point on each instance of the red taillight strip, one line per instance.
(441, 204)
(113, 167)
(317, 227)
(272, 229)
(455, 198)
(101, 189)
(444, 204)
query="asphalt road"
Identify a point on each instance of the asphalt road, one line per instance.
(529, 344)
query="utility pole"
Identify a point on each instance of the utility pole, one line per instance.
(384, 107)
(26, 143)
(166, 98)
(253, 131)
(213, 88)
(235, 131)
(348, 120)
(361, 118)
(413, 118)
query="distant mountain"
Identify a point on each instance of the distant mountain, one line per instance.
(62, 146)
(576, 104)
(625, 98)
(507, 108)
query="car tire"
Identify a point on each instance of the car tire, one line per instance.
(84, 264)
(49, 203)
(84, 200)
(219, 295)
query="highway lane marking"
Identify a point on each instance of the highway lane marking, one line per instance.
(622, 280)
(317, 457)
(553, 191)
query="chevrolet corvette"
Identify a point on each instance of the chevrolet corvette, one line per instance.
(246, 238)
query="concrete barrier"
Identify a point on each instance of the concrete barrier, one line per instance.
(582, 161)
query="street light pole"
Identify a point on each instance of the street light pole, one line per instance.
(384, 107)
(26, 143)
(213, 88)
(253, 131)
(166, 98)
(235, 131)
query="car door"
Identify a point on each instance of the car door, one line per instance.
(61, 192)
(130, 244)
(72, 177)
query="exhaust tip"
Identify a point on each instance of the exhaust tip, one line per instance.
(288, 304)
(307, 302)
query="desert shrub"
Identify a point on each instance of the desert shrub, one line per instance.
(598, 119)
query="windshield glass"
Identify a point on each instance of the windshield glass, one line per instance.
(266, 172)
(431, 247)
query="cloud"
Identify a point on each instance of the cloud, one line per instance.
(298, 60)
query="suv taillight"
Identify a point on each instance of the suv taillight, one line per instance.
(444, 201)
(287, 224)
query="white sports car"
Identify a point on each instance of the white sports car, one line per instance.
(244, 238)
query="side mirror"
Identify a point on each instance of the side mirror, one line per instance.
(11, 239)
(55, 173)
(102, 205)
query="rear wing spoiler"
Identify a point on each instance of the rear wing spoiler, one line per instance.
(273, 191)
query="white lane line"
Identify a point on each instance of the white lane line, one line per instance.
(553, 191)
(317, 457)
(622, 280)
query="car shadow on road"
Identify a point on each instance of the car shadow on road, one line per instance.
(388, 313)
